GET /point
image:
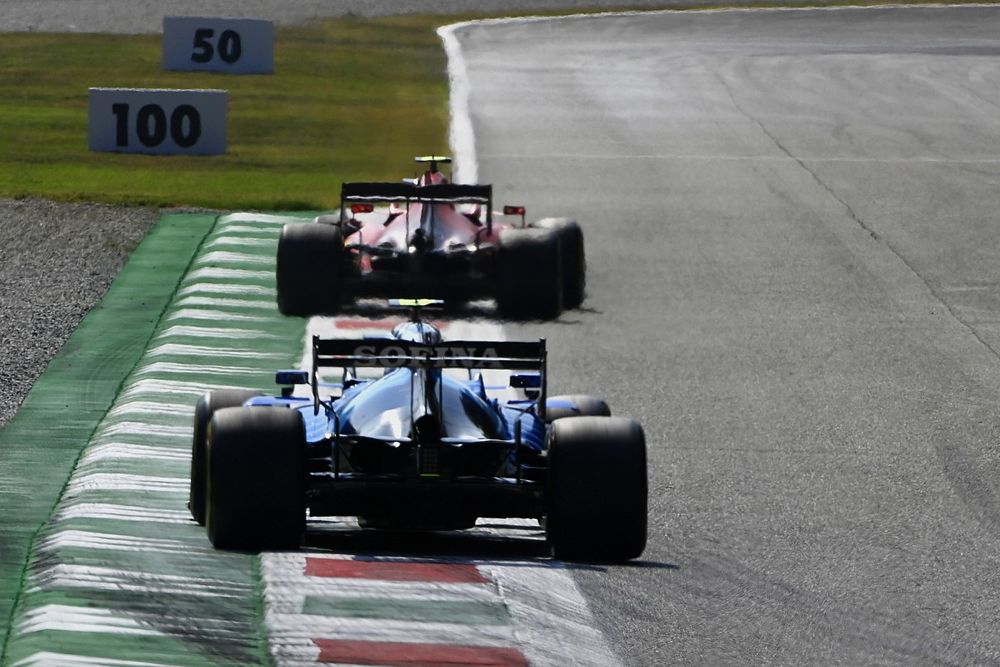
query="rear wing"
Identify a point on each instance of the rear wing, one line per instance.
(405, 192)
(392, 353)
(468, 354)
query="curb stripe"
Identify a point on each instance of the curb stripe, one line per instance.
(414, 609)
(147, 407)
(223, 288)
(81, 619)
(240, 242)
(106, 578)
(194, 331)
(215, 315)
(172, 368)
(50, 659)
(455, 573)
(227, 302)
(121, 451)
(294, 628)
(230, 274)
(173, 387)
(278, 221)
(120, 513)
(188, 351)
(99, 481)
(228, 257)
(398, 654)
(84, 539)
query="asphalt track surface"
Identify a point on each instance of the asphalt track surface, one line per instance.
(793, 284)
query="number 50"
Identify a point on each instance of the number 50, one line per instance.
(229, 46)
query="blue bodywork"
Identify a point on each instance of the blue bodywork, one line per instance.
(380, 408)
(419, 447)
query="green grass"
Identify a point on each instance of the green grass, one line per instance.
(350, 99)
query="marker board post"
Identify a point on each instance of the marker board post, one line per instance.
(158, 121)
(234, 46)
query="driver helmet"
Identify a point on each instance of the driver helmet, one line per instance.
(417, 332)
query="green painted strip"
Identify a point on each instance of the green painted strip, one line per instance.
(120, 552)
(39, 446)
(468, 612)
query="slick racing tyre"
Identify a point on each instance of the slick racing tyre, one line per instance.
(203, 411)
(529, 274)
(256, 479)
(574, 261)
(575, 405)
(597, 489)
(310, 257)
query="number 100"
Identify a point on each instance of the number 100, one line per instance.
(151, 125)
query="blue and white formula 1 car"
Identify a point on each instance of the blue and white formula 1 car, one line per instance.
(422, 446)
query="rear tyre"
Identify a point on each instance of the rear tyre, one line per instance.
(529, 274)
(256, 479)
(583, 406)
(597, 489)
(310, 258)
(574, 261)
(203, 411)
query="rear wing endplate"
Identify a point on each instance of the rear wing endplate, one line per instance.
(404, 192)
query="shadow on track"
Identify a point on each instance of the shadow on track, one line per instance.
(375, 309)
(486, 543)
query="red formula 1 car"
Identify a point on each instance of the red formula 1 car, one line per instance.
(429, 238)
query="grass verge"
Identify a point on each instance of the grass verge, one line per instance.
(350, 99)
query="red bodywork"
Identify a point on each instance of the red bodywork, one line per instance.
(433, 239)
(418, 228)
